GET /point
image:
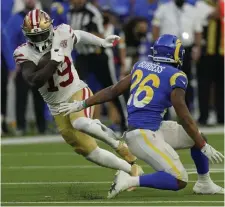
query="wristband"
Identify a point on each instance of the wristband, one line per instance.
(84, 104)
(203, 144)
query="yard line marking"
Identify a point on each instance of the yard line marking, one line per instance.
(58, 138)
(104, 202)
(30, 167)
(39, 154)
(75, 182)
(21, 154)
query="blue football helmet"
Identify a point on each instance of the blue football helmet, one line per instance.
(168, 49)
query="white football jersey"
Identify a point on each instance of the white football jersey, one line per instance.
(65, 81)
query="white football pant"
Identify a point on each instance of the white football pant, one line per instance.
(157, 148)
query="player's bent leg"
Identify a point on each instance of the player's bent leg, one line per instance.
(85, 145)
(99, 131)
(176, 136)
(150, 147)
(82, 121)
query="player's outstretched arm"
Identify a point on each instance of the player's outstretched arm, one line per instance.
(189, 125)
(102, 96)
(88, 38)
(110, 93)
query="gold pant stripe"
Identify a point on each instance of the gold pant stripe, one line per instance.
(163, 155)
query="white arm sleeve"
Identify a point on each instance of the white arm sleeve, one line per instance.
(87, 38)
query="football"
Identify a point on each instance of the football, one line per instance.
(44, 60)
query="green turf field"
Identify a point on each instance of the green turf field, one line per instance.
(51, 174)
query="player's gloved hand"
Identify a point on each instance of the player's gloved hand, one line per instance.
(212, 154)
(68, 108)
(110, 41)
(57, 55)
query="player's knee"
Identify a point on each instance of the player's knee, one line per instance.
(81, 123)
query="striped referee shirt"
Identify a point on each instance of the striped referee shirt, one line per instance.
(88, 19)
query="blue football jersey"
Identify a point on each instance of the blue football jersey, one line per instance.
(151, 86)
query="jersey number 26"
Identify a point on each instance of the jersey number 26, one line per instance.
(137, 79)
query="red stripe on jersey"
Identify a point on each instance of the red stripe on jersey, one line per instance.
(84, 97)
(20, 55)
(70, 29)
(89, 94)
(19, 59)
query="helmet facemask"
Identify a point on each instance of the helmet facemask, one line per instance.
(41, 41)
(38, 30)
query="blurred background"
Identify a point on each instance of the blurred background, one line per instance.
(199, 24)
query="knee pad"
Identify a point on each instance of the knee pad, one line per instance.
(81, 123)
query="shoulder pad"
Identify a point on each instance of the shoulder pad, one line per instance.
(20, 54)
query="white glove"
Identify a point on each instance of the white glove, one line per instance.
(212, 154)
(110, 41)
(57, 55)
(68, 108)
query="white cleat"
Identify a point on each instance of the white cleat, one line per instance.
(120, 184)
(208, 187)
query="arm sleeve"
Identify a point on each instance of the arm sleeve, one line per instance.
(7, 51)
(87, 38)
(179, 80)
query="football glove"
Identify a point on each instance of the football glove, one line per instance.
(110, 41)
(212, 154)
(68, 108)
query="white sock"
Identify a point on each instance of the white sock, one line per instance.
(133, 181)
(107, 159)
(204, 177)
(97, 130)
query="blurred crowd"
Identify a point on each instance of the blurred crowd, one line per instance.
(198, 23)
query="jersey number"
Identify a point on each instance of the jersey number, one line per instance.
(52, 87)
(137, 78)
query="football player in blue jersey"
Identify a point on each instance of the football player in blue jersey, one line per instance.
(155, 85)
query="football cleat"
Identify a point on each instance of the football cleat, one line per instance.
(208, 187)
(136, 170)
(120, 184)
(125, 153)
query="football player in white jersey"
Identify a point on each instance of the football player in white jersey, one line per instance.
(58, 82)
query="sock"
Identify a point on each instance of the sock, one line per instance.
(107, 159)
(201, 161)
(159, 180)
(204, 177)
(97, 130)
